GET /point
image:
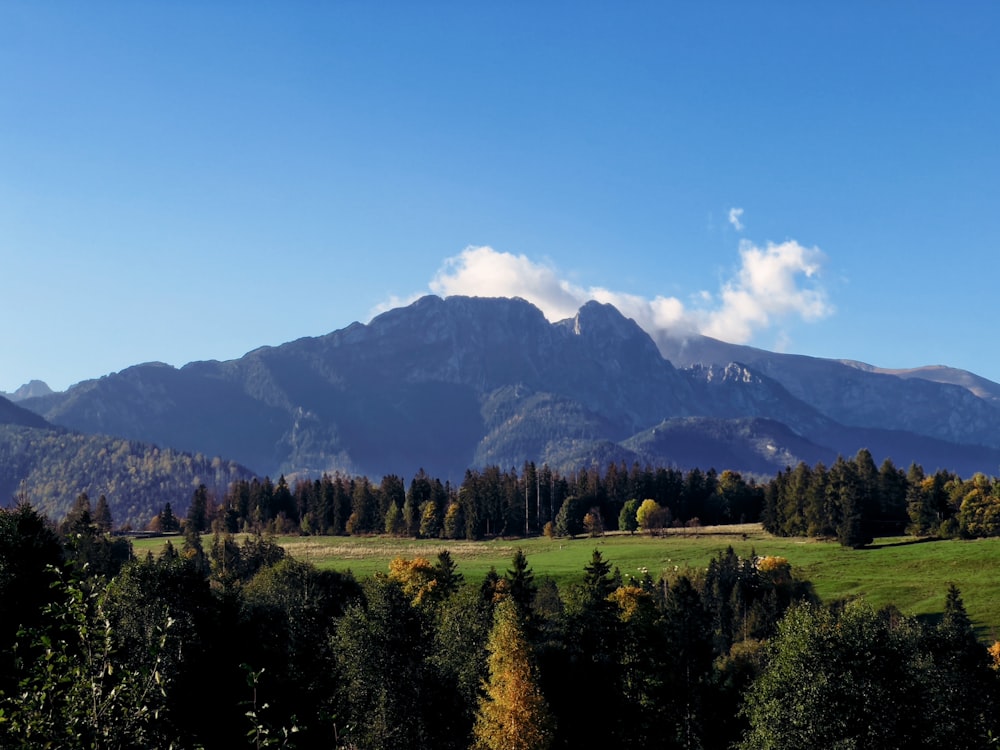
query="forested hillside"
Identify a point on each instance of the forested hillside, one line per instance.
(52, 467)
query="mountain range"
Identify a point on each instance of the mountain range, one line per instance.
(450, 384)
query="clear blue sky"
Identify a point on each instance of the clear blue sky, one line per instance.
(191, 180)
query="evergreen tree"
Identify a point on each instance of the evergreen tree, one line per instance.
(79, 521)
(197, 515)
(30, 554)
(168, 521)
(521, 584)
(919, 503)
(446, 573)
(102, 516)
(689, 635)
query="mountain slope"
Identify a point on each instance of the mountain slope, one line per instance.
(52, 467)
(12, 414)
(960, 408)
(448, 384)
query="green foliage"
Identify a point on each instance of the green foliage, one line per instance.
(30, 554)
(290, 610)
(627, 519)
(458, 662)
(72, 692)
(381, 648)
(856, 677)
(197, 515)
(449, 580)
(134, 660)
(87, 547)
(233, 563)
(394, 521)
(569, 520)
(850, 500)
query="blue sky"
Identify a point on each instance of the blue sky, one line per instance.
(190, 180)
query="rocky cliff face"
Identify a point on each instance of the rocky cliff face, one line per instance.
(445, 384)
(34, 389)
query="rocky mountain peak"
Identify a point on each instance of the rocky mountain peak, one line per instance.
(33, 389)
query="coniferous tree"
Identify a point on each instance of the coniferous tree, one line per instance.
(168, 521)
(521, 584)
(446, 573)
(80, 519)
(513, 714)
(102, 516)
(197, 515)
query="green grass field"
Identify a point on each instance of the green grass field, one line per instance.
(912, 576)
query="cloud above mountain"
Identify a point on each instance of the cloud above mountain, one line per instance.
(771, 286)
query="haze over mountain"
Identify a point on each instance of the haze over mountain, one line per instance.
(448, 384)
(51, 466)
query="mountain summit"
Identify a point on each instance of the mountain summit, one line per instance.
(449, 384)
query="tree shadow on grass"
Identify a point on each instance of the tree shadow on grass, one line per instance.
(904, 543)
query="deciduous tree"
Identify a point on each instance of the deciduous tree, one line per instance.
(513, 714)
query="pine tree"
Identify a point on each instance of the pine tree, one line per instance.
(513, 714)
(168, 521)
(102, 516)
(197, 515)
(521, 583)
(79, 520)
(449, 580)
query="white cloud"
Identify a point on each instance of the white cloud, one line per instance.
(766, 289)
(772, 285)
(483, 272)
(734, 218)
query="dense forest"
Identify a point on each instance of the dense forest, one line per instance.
(222, 640)
(488, 503)
(56, 466)
(852, 501)
(219, 643)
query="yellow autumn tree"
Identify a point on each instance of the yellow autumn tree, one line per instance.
(513, 714)
(994, 652)
(647, 514)
(416, 576)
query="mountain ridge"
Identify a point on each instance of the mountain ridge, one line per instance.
(448, 384)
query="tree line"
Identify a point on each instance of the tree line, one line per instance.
(220, 643)
(488, 502)
(853, 501)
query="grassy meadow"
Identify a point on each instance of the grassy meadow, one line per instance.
(912, 575)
